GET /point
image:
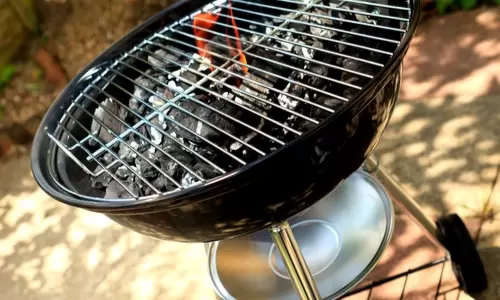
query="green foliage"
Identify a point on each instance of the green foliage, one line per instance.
(467, 4)
(444, 6)
(6, 74)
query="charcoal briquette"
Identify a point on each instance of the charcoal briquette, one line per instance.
(122, 172)
(200, 128)
(102, 180)
(108, 158)
(125, 151)
(145, 164)
(108, 118)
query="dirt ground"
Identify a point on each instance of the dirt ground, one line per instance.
(443, 145)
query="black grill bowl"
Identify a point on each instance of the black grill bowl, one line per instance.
(269, 190)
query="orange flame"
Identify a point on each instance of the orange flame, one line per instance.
(204, 22)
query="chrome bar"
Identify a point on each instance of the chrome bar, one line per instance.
(260, 84)
(276, 62)
(335, 29)
(291, 42)
(99, 163)
(150, 143)
(173, 104)
(266, 36)
(275, 75)
(318, 16)
(219, 95)
(110, 151)
(233, 88)
(302, 33)
(165, 134)
(376, 4)
(300, 276)
(405, 201)
(156, 110)
(334, 8)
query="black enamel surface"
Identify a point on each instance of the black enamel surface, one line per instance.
(269, 190)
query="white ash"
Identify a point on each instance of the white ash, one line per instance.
(175, 74)
(235, 146)
(205, 64)
(158, 62)
(126, 151)
(199, 127)
(287, 46)
(156, 136)
(363, 18)
(156, 101)
(114, 190)
(189, 180)
(173, 86)
(152, 150)
(285, 101)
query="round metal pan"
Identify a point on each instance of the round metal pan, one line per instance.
(341, 238)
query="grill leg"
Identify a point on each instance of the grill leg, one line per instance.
(300, 275)
(405, 201)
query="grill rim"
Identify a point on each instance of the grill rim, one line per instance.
(178, 198)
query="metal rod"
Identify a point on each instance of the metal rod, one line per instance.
(208, 91)
(406, 202)
(377, 283)
(185, 111)
(275, 75)
(158, 112)
(337, 8)
(300, 275)
(233, 88)
(271, 60)
(165, 134)
(266, 36)
(320, 16)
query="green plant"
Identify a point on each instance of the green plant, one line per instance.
(6, 74)
(443, 6)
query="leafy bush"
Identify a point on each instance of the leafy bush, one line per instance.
(444, 6)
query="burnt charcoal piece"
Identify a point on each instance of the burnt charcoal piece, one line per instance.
(316, 81)
(203, 170)
(163, 59)
(115, 190)
(172, 168)
(145, 167)
(357, 66)
(122, 172)
(102, 180)
(126, 153)
(141, 94)
(328, 102)
(108, 158)
(108, 119)
(208, 115)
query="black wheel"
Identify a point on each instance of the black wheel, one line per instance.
(466, 262)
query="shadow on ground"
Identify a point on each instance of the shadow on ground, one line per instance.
(458, 54)
(51, 251)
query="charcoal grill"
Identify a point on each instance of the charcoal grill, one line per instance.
(215, 120)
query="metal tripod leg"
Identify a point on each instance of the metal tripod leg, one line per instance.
(404, 201)
(300, 275)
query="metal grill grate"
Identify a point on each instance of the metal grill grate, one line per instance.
(288, 46)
